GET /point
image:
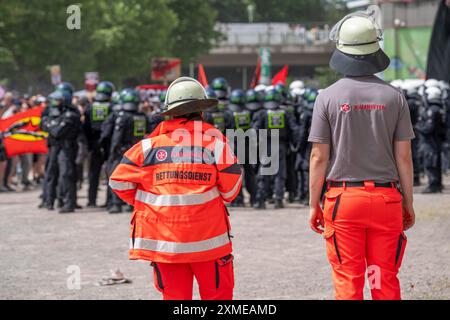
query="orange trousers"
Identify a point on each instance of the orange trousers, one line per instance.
(215, 279)
(364, 232)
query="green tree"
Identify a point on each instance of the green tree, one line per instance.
(325, 76)
(34, 35)
(129, 34)
(117, 38)
(294, 11)
(230, 10)
(194, 34)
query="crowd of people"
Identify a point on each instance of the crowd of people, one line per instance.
(89, 134)
(24, 171)
(429, 104)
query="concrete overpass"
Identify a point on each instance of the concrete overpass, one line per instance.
(235, 57)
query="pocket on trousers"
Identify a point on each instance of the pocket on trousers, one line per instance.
(333, 252)
(391, 214)
(400, 251)
(224, 271)
(332, 202)
(395, 197)
(157, 277)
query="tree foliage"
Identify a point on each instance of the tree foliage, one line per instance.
(291, 11)
(117, 38)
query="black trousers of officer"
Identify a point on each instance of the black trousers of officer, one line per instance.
(291, 177)
(433, 169)
(416, 159)
(277, 180)
(51, 175)
(249, 175)
(68, 176)
(111, 164)
(95, 166)
(249, 183)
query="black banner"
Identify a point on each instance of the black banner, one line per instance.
(438, 64)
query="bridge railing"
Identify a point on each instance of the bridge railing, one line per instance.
(272, 34)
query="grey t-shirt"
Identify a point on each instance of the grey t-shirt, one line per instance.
(361, 117)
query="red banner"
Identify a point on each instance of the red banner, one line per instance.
(202, 75)
(257, 75)
(165, 69)
(21, 133)
(281, 76)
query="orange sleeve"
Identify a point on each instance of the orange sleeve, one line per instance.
(229, 177)
(127, 176)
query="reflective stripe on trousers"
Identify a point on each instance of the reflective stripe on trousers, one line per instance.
(176, 199)
(180, 247)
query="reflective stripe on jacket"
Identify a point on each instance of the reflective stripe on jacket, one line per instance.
(178, 180)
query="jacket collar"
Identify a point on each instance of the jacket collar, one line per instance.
(168, 126)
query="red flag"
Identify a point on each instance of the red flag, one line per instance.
(257, 75)
(21, 133)
(281, 76)
(202, 75)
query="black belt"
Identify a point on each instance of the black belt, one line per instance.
(339, 184)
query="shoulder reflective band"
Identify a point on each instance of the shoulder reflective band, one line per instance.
(180, 247)
(221, 158)
(176, 199)
(146, 146)
(117, 185)
(233, 191)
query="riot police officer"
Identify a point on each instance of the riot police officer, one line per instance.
(63, 126)
(107, 128)
(218, 115)
(242, 121)
(291, 177)
(414, 103)
(130, 127)
(252, 102)
(274, 118)
(106, 135)
(96, 115)
(221, 89)
(445, 87)
(155, 116)
(47, 114)
(431, 128)
(304, 147)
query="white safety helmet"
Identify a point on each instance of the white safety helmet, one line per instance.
(297, 92)
(397, 83)
(444, 85)
(267, 88)
(413, 82)
(410, 88)
(297, 84)
(433, 94)
(431, 83)
(260, 87)
(186, 95)
(357, 37)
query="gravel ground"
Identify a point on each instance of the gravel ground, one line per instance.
(276, 254)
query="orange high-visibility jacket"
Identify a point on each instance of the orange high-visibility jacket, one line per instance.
(178, 179)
